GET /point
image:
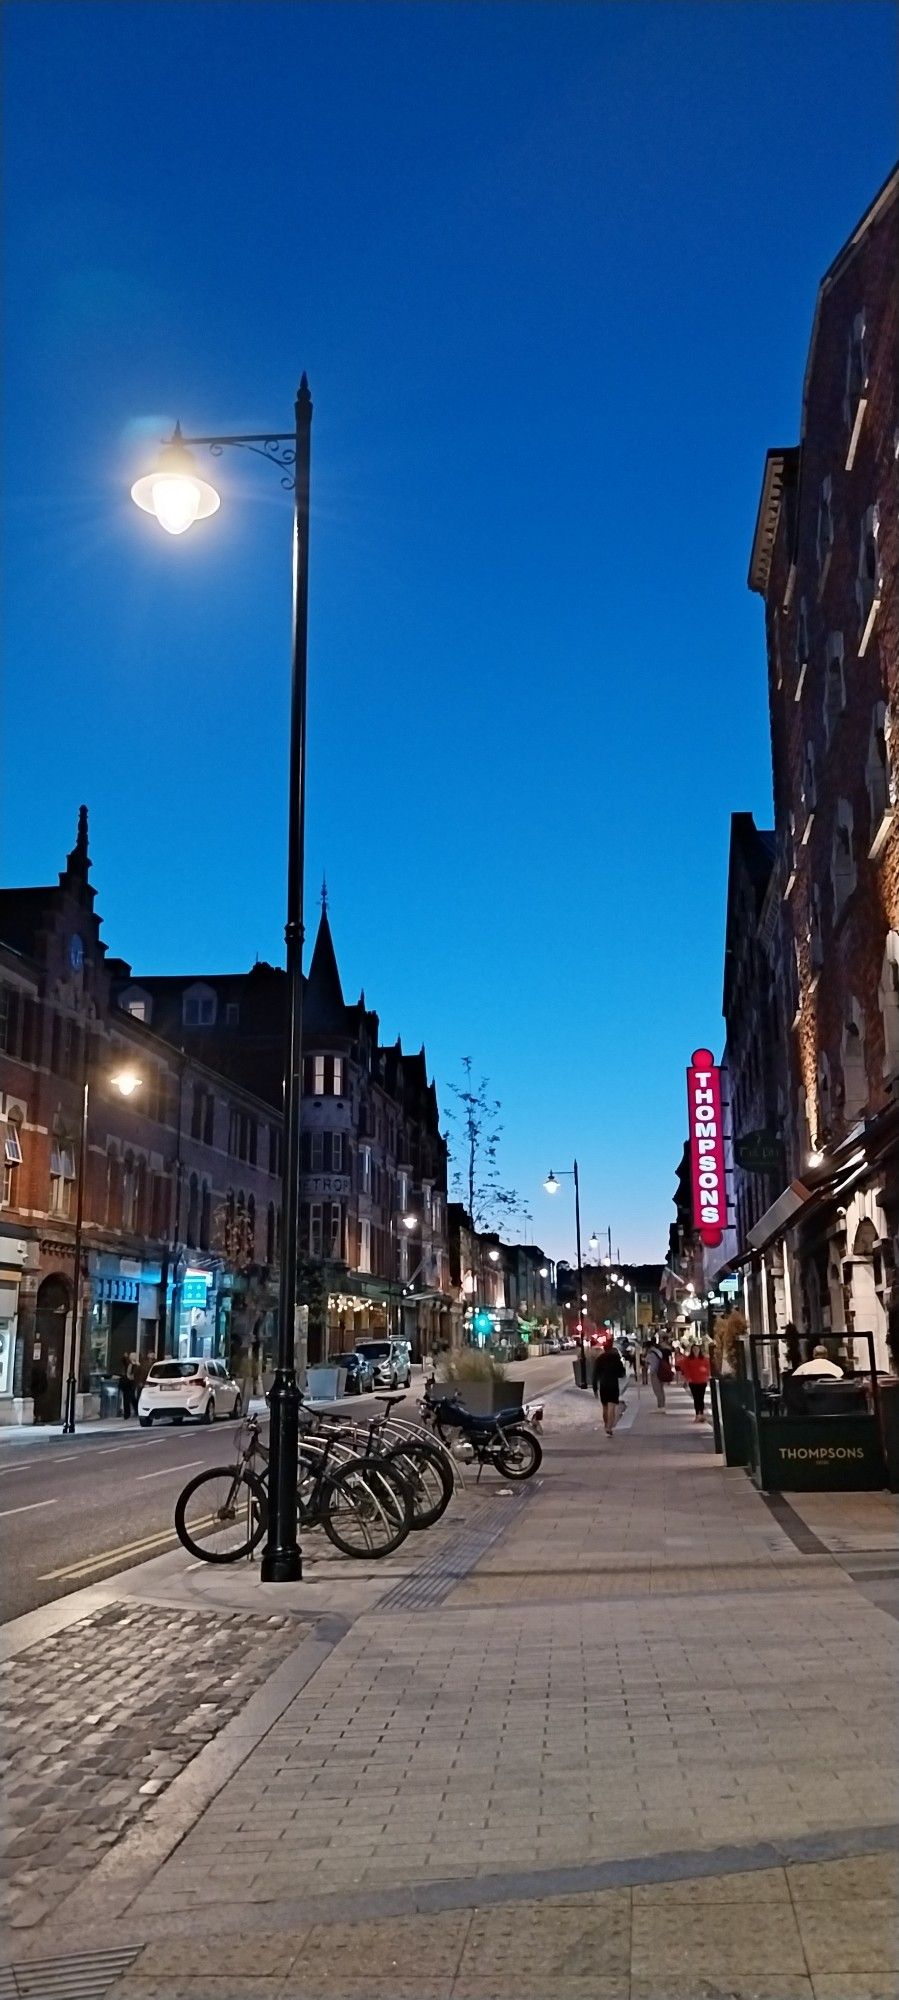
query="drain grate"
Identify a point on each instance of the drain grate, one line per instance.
(434, 1581)
(88, 1976)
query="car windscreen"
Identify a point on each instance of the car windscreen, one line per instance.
(346, 1360)
(173, 1371)
(375, 1350)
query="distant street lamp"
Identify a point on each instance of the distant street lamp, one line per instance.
(551, 1185)
(126, 1082)
(177, 495)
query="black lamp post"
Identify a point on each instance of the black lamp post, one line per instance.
(177, 495)
(551, 1185)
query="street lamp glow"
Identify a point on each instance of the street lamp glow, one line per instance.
(174, 491)
(126, 1082)
(493, 1256)
(551, 1184)
(815, 1158)
(410, 1221)
(544, 1271)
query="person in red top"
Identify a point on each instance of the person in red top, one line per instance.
(695, 1370)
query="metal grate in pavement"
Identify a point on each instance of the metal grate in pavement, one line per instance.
(434, 1581)
(84, 1976)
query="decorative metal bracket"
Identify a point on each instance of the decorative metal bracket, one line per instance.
(278, 448)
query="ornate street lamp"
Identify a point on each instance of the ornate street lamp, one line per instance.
(178, 496)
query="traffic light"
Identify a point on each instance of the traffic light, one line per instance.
(483, 1323)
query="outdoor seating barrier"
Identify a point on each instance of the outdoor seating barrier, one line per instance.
(813, 1433)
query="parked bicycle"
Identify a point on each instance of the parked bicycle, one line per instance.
(421, 1458)
(364, 1505)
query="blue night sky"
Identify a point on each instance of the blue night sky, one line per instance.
(551, 271)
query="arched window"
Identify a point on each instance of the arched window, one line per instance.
(205, 1216)
(802, 643)
(193, 1211)
(824, 535)
(877, 771)
(889, 1003)
(855, 1081)
(129, 1191)
(842, 865)
(869, 579)
(270, 1233)
(834, 684)
(199, 1006)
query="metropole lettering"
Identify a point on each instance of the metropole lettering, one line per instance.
(707, 1147)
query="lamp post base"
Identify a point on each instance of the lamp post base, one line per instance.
(68, 1421)
(282, 1561)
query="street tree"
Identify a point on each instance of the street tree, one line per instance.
(474, 1135)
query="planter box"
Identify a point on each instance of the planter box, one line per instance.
(483, 1398)
(734, 1423)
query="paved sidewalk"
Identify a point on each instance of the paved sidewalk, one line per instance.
(640, 1744)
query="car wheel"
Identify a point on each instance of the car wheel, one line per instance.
(238, 1407)
(209, 1412)
(145, 1423)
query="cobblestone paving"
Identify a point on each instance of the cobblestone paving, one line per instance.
(101, 1718)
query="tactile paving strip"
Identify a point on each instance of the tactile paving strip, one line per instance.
(437, 1578)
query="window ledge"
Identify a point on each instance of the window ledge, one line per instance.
(880, 837)
(799, 684)
(852, 446)
(806, 831)
(790, 884)
(869, 625)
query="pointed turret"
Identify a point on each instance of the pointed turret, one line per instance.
(78, 861)
(324, 1005)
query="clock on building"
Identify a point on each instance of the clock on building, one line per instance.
(76, 953)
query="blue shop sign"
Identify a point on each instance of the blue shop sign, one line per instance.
(195, 1288)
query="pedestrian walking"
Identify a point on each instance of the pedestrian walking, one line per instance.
(696, 1370)
(127, 1388)
(658, 1368)
(254, 1380)
(607, 1374)
(644, 1365)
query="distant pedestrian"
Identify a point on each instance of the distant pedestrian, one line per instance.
(127, 1389)
(695, 1369)
(644, 1365)
(254, 1379)
(658, 1369)
(606, 1375)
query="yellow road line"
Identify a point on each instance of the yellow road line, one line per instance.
(103, 1560)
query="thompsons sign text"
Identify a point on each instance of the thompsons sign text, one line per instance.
(707, 1147)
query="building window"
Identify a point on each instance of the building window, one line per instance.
(365, 1173)
(206, 1217)
(232, 1014)
(193, 1211)
(274, 1149)
(816, 930)
(802, 645)
(318, 1076)
(338, 1076)
(855, 401)
(337, 1152)
(364, 1243)
(199, 1007)
(869, 580)
(842, 870)
(809, 779)
(855, 1081)
(824, 532)
(877, 773)
(834, 684)
(12, 1160)
(62, 1176)
(129, 1191)
(889, 1004)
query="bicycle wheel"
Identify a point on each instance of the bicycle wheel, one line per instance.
(429, 1478)
(520, 1455)
(222, 1514)
(365, 1509)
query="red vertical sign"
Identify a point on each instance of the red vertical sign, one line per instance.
(707, 1147)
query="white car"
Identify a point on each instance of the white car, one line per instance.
(200, 1390)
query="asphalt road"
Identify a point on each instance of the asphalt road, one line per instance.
(74, 1511)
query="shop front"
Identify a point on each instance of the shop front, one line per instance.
(13, 1258)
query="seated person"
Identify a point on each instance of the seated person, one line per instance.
(820, 1364)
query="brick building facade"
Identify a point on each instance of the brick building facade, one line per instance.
(181, 1179)
(373, 1209)
(824, 560)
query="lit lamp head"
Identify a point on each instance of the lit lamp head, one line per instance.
(126, 1082)
(174, 491)
(410, 1221)
(494, 1256)
(551, 1184)
(544, 1270)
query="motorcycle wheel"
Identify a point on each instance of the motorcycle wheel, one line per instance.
(520, 1456)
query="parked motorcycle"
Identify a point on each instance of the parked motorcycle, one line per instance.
(504, 1440)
